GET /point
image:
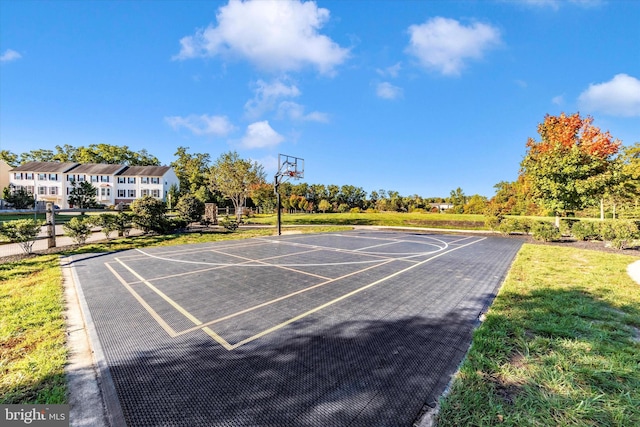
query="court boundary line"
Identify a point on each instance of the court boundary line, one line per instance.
(204, 326)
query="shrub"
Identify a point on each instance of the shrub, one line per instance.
(149, 214)
(123, 223)
(493, 221)
(78, 228)
(108, 224)
(618, 233)
(545, 231)
(343, 207)
(566, 224)
(21, 231)
(355, 210)
(190, 208)
(230, 223)
(585, 230)
(514, 225)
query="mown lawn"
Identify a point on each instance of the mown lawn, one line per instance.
(560, 346)
(397, 219)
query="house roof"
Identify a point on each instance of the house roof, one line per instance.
(41, 167)
(144, 171)
(98, 168)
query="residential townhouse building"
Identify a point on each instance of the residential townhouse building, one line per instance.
(53, 181)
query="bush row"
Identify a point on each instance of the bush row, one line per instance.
(617, 233)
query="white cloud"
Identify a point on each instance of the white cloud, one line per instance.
(555, 4)
(10, 55)
(295, 111)
(202, 125)
(391, 71)
(444, 44)
(386, 90)
(558, 100)
(261, 135)
(267, 96)
(618, 97)
(272, 34)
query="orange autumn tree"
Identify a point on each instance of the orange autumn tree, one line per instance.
(572, 165)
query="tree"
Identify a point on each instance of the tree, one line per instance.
(476, 204)
(83, 195)
(263, 196)
(10, 158)
(234, 177)
(190, 208)
(107, 222)
(192, 170)
(570, 167)
(324, 205)
(458, 199)
(19, 198)
(148, 214)
(21, 231)
(78, 228)
(93, 153)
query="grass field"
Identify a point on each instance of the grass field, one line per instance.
(560, 346)
(398, 219)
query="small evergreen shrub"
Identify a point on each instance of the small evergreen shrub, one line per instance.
(566, 224)
(545, 231)
(230, 223)
(514, 225)
(585, 230)
(619, 233)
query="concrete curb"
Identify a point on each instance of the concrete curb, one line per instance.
(634, 271)
(92, 396)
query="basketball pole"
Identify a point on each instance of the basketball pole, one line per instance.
(278, 207)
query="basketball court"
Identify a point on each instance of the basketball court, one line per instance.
(359, 328)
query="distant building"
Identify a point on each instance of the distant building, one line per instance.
(53, 181)
(4, 175)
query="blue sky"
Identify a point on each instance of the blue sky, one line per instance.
(419, 97)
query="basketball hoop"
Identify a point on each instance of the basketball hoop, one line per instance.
(288, 167)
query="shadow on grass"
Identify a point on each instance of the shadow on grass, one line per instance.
(550, 357)
(50, 390)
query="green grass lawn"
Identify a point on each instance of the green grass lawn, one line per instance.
(560, 346)
(398, 219)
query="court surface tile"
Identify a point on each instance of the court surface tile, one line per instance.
(358, 328)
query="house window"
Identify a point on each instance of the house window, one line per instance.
(53, 177)
(131, 194)
(53, 191)
(121, 193)
(131, 180)
(155, 193)
(42, 191)
(121, 180)
(29, 189)
(29, 175)
(104, 178)
(42, 176)
(17, 176)
(105, 192)
(94, 178)
(81, 178)
(144, 180)
(71, 178)
(155, 180)
(144, 193)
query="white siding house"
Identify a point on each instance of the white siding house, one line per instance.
(52, 181)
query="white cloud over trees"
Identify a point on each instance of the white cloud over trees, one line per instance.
(202, 125)
(274, 35)
(261, 135)
(618, 97)
(445, 45)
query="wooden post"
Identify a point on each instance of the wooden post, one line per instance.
(51, 226)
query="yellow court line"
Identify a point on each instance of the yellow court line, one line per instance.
(325, 305)
(283, 297)
(168, 329)
(177, 306)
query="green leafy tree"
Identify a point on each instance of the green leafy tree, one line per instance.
(173, 195)
(21, 231)
(149, 214)
(192, 171)
(190, 208)
(93, 153)
(458, 199)
(263, 196)
(324, 205)
(123, 223)
(19, 198)
(476, 204)
(234, 177)
(571, 166)
(10, 158)
(79, 228)
(83, 195)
